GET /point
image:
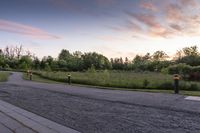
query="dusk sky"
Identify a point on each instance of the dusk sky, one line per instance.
(115, 28)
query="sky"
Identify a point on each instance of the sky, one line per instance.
(114, 28)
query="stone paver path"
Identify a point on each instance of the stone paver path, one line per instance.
(16, 120)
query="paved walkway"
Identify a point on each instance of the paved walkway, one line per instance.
(17, 120)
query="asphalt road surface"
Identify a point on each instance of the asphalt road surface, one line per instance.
(92, 110)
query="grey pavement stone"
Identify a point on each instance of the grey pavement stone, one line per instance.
(30, 120)
(24, 130)
(9, 122)
(4, 129)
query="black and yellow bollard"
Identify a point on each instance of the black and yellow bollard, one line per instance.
(69, 78)
(176, 83)
(31, 75)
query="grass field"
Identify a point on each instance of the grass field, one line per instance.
(4, 76)
(39, 78)
(117, 79)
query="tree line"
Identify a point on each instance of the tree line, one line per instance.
(18, 58)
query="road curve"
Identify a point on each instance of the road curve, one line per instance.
(92, 110)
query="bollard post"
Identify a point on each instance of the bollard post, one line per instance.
(176, 83)
(69, 78)
(31, 75)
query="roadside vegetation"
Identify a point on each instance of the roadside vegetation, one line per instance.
(4, 76)
(148, 71)
(117, 79)
(50, 77)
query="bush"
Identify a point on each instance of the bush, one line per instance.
(195, 76)
(196, 69)
(181, 68)
(165, 86)
(194, 87)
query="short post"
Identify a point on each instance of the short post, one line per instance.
(176, 83)
(69, 78)
(31, 75)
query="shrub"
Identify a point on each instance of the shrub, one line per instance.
(165, 85)
(194, 87)
(194, 76)
(179, 69)
(196, 69)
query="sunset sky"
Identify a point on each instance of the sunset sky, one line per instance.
(115, 28)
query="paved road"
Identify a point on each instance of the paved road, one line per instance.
(91, 110)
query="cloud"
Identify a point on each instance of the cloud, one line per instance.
(160, 32)
(174, 12)
(167, 19)
(27, 30)
(153, 27)
(147, 19)
(148, 6)
(133, 26)
(176, 27)
(192, 3)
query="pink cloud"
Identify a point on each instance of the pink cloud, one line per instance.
(166, 19)
(160, 32)
(147, 19)
(148, 6)
(27, 30)
(192, 3)
(174, 12)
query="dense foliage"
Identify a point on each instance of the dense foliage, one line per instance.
(186, 62)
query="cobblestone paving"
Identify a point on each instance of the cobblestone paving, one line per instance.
(90, 115)
(10, 125)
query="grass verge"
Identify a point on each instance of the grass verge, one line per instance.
(38, 78)
(4, 76)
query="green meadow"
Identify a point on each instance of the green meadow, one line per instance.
(117, 79)
(4, 76)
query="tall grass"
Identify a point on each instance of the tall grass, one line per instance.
(4, 76)
(121, 79)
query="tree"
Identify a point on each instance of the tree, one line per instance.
(147, 56)
(64, 55)
(191, 51)
(36, 63)
(47, 61)
(25, 61)
(77, 54)
(159, 56)
(179, 54)
(99, 61)
(190, 56)
(18, 51)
